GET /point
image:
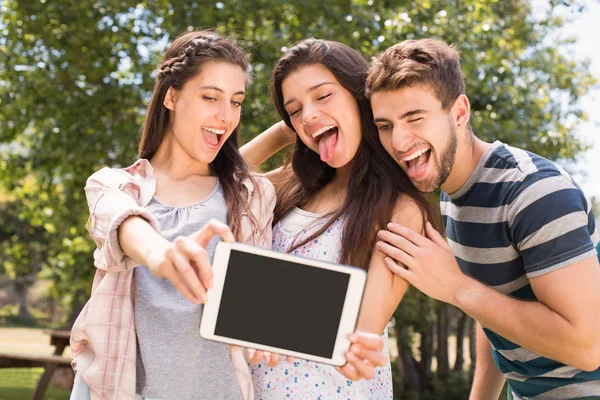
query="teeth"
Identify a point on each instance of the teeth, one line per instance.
(217, 131)
(323, 130)
(415, 155)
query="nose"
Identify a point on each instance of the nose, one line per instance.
(224, 112)
(401, 138)
(309, 113)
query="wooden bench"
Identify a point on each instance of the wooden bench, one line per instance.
(17, 360)
(60, 340)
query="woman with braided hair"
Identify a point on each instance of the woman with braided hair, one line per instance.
(154, 224)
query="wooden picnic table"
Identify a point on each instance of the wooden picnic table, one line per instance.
(59, 338)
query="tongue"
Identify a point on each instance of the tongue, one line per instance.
(327, 144)
(416, 167)
(211, 138)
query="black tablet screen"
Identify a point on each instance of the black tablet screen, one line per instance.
(281, 304)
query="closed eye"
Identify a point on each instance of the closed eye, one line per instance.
(294, 112)
(324, 96)
(415, 120)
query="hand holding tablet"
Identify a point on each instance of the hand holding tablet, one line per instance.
(280, 303)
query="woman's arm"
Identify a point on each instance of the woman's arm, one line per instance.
(127, 235)
(113, 196)
(266, 144)
(383, 293)
(184, 261)
(384, 289)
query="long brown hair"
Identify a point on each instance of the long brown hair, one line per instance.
(376, 180)
(183, 61)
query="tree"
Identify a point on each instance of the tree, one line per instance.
(23, 243)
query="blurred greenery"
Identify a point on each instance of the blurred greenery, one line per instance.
(19, 384)
(75, 77)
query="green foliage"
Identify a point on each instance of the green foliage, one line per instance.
(23, 234)
(416, 311)
(456, 387)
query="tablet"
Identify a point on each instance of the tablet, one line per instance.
(282, 303)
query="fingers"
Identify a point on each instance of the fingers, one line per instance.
(374, 357)
(396, 253)
(365, 353)
(397, 242)
(185, 270)
(415, 237)
(171, 274)
(363, 368)
(349, 372)
(212, 228)
(254, 356)
(272, 359)
(399, 270)
(436, 237)
(367, 340)
(199, 256)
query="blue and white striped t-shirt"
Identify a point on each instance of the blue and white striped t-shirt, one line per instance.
(517, 217)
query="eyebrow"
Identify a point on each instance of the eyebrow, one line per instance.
(218, 89)
(311, 89)
(403, 116)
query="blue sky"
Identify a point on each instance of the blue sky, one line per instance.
(586, 28)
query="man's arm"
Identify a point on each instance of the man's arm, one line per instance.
(488, 380)
(563, 325)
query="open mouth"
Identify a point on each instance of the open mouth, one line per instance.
(213, 136)
(326, 139)
(416, 163)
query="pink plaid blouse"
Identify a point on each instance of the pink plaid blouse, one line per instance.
(103, 337)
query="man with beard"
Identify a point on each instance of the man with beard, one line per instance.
(520, 256)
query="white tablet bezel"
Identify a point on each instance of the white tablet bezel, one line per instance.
(348, 318)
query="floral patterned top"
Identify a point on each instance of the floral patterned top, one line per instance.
(302, 379)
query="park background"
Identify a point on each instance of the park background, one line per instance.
(75, 77)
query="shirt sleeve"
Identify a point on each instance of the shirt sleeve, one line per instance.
(262, 205)
(550, 223)
(112, 196)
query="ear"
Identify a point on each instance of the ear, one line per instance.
(169, 100)
(461, 110)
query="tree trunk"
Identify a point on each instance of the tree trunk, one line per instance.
(21, 289)
(443, 366)
(76, 307)
(426, 350)
(406, 364)
(461, 331)
(472, 347)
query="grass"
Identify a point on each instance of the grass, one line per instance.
(19, 384)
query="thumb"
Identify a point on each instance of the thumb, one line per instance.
(435, 236)
(212, 228)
